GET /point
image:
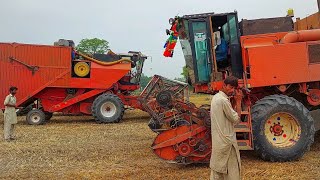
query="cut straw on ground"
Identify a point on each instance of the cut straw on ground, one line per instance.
(78, 148)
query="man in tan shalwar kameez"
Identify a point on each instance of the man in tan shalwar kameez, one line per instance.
(10, 115)
(225, 158)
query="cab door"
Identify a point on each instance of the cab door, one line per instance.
(200, 45)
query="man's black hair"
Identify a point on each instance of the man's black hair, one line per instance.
(232, 81)
(12, 88)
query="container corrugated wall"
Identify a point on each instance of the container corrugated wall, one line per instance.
(52, 62)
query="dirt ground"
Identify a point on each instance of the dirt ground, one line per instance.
(78, 148)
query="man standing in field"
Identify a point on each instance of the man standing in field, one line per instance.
(10, 116)
(225, 158)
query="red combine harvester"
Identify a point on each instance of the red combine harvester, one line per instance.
(59, 79)
(279, 74)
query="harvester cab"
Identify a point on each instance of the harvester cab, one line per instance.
(138, 59)
(211, 46)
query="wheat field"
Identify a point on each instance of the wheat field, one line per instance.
(77, 148)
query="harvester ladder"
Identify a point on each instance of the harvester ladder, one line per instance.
(244, 130)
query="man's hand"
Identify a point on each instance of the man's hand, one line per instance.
(9, 105)
(238, 95)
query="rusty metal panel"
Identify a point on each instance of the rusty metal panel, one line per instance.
(264, 26)
(50, 62)
(310, 22)
(314, 53)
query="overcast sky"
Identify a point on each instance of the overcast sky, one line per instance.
(127, 24)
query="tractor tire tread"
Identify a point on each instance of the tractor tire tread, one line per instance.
(41, 114)
(261, 109)
(98, 100)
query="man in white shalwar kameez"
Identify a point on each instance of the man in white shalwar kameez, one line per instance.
(225, 158)
(10, 115)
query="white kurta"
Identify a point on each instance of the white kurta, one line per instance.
(224, 142)
(10, 116)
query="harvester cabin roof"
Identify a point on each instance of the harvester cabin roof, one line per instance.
(204, 15)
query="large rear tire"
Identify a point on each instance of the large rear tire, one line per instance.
(283, 129)
(107, 108)
(36, 117)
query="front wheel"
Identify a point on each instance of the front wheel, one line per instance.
(107, 108)
(283, 129)
(36, 117)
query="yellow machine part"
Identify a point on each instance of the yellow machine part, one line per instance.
(81, 69)
(290, 12)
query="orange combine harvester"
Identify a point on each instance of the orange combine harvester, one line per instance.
(59, 79)
(279, 72)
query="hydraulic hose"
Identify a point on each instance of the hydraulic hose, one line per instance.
(101, 62)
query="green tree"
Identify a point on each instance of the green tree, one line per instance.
(93, 46)
(144, 80)
(185, 72)
(181, 79)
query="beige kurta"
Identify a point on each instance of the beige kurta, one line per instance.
(10, 117)
(224, 143)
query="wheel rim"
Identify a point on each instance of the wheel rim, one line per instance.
(282, 130)
(35, 117)
(81, 69)
(108, 109)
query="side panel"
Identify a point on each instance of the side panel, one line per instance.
(51, 62)
(257, 41)
(279, 64)
(101, 77)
